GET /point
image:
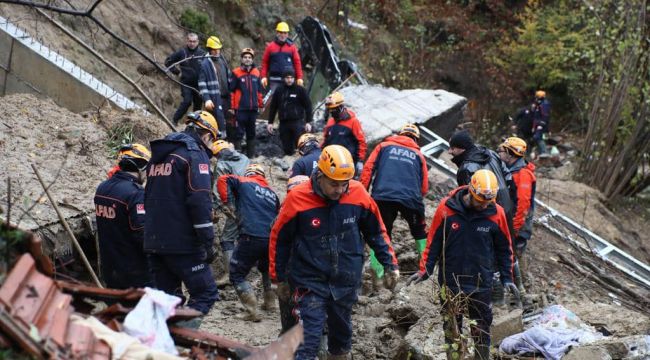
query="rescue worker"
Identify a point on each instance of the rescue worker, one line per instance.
(229, 162)
(512, 152)
(280, 55)
(178, 229)
(211, 78)
(246, 99)
(293, 105)
(470, 158)
(343, 128)
(316, 251)
(191, 56)
(524, 124)
(398, 174)
(120, 212)
(309, 151)
(541, 119)
(257, 206)
(467, 238)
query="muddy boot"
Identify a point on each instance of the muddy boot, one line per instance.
(270, 300)
(377, 283)
(345, 356)
(482, 352)
(250, 148)
(247, 298)
(224, 279)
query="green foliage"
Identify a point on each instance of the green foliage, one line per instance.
(197, 21)
(119, 135)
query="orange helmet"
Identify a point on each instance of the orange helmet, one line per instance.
(410, 130)
(296, 180)
(336, 163)
(133, 157)
(540, 94)
(247, 51)
(255, 169)
(516, 145)
(204, 120)
(304, 140)
(484, 186)
(219, 145)
(334, 100)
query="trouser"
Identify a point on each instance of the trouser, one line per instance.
(190, 97)
(246, 124)
(229, 234)
(116, 278)
(230, 122)
(170, 270)
(414, 218)
(314, 312)
(248, 252)
(479, 306)
(538, 137)
(288, 314)
(290, 131)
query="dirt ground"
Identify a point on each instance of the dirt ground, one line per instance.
(386, 325)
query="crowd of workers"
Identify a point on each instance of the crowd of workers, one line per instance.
(311, 248)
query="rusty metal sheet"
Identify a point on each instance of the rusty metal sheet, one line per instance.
(204, 340)
(36, 315)
(92, 292)
(119, 311)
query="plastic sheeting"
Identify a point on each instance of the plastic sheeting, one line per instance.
(552, 335)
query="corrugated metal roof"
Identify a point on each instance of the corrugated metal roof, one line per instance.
(383, 110)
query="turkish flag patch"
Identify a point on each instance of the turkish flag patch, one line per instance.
(315, 222)
(455, 226)
(139, 208)
(204, 169)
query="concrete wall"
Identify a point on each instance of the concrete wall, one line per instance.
(27, 66)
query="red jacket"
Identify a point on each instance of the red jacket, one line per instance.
(347, 133)
(246, 89)
(525, 181)
(278, 57)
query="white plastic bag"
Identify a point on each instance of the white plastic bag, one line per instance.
(148, 320)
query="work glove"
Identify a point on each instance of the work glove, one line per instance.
(390, 278)
(512, 288)
(209, 105)
(269, 128)
(231, 111)
(210, 254)
(300, 82)
(283, 291)
(265, 82)
(307, 127)
(415, 278)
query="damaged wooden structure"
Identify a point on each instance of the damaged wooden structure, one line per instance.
(48, 319)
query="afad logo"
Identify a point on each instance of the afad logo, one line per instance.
(455, 226)
(315, 222)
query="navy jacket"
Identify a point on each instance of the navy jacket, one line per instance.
(211, 90)
(119, 208)
(473, 241)
(398, 172)
(189, 69)
(306, 164)
(542, 114)
(318, 244)
(177, 197)
(257, 204)
(246, 89)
